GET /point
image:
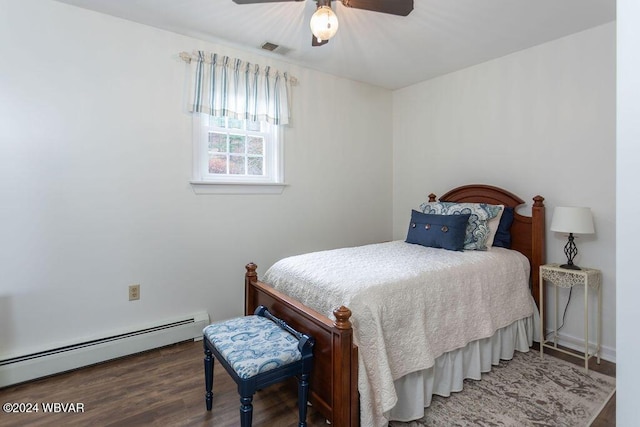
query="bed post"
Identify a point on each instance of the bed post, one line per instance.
(249, 292)
(537, 245)
(345, 406)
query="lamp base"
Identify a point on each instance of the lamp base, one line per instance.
(570, 251)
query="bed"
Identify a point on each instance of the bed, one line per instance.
(339, 367)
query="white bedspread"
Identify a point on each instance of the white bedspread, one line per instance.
(410, 304)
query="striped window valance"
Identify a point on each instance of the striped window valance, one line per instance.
(228, 87)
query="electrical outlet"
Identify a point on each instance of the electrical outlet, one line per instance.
(134, 292)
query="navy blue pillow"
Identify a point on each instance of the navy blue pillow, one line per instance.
(438, 231)
(503, 234)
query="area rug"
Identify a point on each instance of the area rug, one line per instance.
(525, 391)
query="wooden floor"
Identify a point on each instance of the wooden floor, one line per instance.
(165, 387)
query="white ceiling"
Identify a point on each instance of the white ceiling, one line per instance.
(390, 51)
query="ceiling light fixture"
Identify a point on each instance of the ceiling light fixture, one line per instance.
(324, 22)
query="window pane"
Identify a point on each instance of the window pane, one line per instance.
(218, 121)
(236, 144)
(256, 145)
(218, 164)
(217, 142)
(236, 150)
(236, 165)
(235, 123)
(256, 165)
(254, 126)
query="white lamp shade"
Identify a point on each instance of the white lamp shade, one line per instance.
(572, 220)
(324, 23)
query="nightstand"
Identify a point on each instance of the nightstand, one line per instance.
(565, 278)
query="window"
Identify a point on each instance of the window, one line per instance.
(236, 156)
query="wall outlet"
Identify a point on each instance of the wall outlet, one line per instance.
(134, 292)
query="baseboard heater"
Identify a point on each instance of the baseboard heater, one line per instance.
(44, 363)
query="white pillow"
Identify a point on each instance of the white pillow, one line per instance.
(493, 224)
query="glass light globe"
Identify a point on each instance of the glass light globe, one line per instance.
(324, 23)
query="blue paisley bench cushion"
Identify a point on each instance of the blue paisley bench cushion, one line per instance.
(253, 344)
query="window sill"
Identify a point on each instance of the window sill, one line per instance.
(208, 187)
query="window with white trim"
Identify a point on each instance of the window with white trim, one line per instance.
(233, 152)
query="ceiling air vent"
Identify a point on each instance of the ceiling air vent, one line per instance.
(269, 46)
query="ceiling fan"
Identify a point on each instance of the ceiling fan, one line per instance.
(324, 22)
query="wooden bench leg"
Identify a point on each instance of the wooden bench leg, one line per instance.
(208, 377)
(303, 397)
(246, 411)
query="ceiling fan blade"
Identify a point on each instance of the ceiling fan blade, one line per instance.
(260, 1)
(315, 42)
(394, 7)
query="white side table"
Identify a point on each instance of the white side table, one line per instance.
(565, 278)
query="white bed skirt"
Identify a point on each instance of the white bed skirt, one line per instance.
(447, 375)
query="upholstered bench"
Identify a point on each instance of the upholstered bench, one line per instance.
(258, 351)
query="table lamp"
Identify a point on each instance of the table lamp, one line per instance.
(572, 220)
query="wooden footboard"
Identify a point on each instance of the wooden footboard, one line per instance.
(334, 380)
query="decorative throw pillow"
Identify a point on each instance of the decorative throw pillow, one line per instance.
(493, 226)
(438, 231)
(477, 232)
(503, 234)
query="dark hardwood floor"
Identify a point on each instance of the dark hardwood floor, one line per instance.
(165, 387)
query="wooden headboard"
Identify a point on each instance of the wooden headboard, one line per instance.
(527, 232)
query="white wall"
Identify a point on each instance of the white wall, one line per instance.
(628, 209)
(95, 160)
(539, 121)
